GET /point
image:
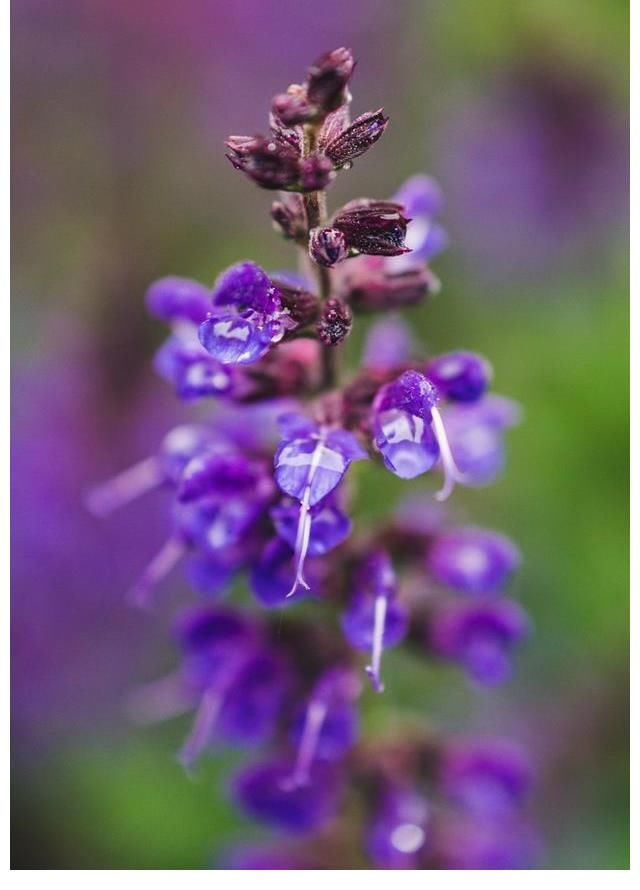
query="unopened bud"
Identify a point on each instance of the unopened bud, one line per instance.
(377, 228)
(327, 246)
(335, 322)
(357, 138)
(289, 217)
(316, 172)
(269, 163)
(328, 77)
(293, 107)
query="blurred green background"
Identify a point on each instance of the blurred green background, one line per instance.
(519, 109)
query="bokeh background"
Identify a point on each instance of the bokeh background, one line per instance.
(120, 109)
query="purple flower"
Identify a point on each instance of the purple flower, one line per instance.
(273, 574)
(266, 792)
(409, 430)
(399, 830)
(329, 525)
(389, 344)
(480, 637)
(459, 376)
(472, 560)
(422, 200)
(374, 619)
(487, 777)
(310, 463)
(257, 320)
(476, 436)
(176, 299)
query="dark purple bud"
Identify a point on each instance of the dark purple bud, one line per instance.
(289, 217)
(328, 77)
(357, 138)
(473, 560)
(270, 163)
(459, 376)
(267, 793)
(316, 172)
(293, 107)
(480, 637)
(335, 322)
(399, 830)
(301, 305)
(377, 228)
(178, 299)
(327, 246)
(489, 777)
(368, 286)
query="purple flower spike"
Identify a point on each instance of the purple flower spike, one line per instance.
(374, 619)
(178, 299)
(480, 637)
(328, 726)
(310, 462)
(234, 340)
(473, 560)
(398, 833)
(487, 777)
(459, 376)
(266, 793)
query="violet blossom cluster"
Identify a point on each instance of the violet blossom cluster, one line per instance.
(260, 491)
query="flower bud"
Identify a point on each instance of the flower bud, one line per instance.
(328, 77)
(358, 138)
(316, 172)
(301, 305)
(289, 217)
(327, 246)
(335, 323)
(293, 107)
(376, 289)
(270, 163)
(376, 228)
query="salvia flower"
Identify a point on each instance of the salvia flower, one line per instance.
(256, 320)
(267, 504)
(374, 619)
(310, 463)
(473, 560)
(479, 636)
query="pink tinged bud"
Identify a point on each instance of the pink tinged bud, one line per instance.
(335, 323)
(270, 163)
(289, 217)
(357, 139)
(327, 246)
(328, 77)
(292, 108)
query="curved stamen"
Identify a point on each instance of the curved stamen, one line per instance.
(162, 563)
(125, 487)
(373, 670)
(202, 728)
(302, 545)
(314, 720)
(304, 522)
(158, 700)
(451, 472)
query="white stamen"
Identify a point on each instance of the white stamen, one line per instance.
(162, 563)
(125, 487)
(304, 521)
(314, 719)
(373, 670)
(158, 701)
(203, 725)
(451, 472)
